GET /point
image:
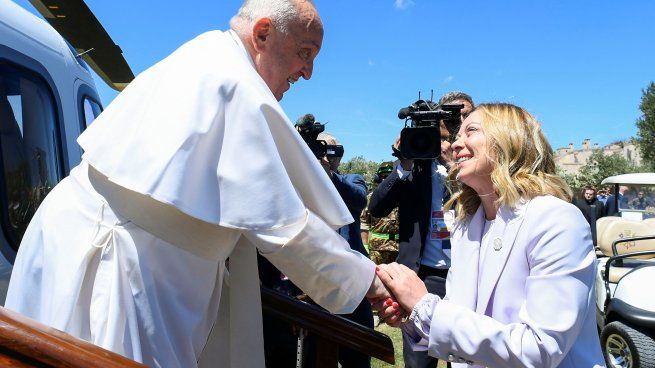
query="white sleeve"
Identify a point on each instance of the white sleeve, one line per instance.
(417, 326)
(319, 261)
(559, 295)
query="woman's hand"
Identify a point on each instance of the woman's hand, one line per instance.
(392, 314)
(403, 283)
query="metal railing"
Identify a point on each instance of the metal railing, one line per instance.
(331, 331)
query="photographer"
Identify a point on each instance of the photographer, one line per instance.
(417, 188)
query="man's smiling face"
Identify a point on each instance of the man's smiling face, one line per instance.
(285, 58)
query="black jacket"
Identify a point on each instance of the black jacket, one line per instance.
(413, 199)
(591, 212)
(585, 207)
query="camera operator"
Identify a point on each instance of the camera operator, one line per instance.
(352, 188)
(456, 98)
(417, 188)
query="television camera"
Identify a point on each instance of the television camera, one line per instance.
(309, 130)
(421, 137)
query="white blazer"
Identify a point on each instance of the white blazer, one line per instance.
(537, 282)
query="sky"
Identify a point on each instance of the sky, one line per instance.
(578, 66)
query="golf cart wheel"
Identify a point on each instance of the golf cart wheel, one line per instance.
(624, 346)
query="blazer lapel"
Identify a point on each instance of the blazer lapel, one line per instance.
(504, 232)
(466, 249)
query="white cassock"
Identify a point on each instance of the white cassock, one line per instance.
(193, 163)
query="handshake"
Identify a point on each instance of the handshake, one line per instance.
(394, 292)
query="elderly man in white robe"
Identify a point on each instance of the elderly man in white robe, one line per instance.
(194, 162)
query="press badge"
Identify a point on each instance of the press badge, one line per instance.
(439, 225)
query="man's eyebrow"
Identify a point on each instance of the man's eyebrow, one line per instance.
(309, 43)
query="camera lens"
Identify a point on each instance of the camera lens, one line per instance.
(421, 143)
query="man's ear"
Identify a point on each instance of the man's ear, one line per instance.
(261, 33)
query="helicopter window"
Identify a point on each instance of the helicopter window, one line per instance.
(29, 144)
(91, 110)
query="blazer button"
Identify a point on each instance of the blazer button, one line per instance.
(450, 358)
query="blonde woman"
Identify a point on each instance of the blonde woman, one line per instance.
(520, 291)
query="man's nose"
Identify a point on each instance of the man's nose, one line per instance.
(307, 70)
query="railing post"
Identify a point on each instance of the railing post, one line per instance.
(327, 353)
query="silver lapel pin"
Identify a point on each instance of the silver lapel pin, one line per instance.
(498, 244)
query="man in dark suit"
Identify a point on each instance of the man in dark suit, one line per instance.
(592, 209)
(611, 209)
(417, 190)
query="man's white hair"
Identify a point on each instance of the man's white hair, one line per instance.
(327, 137)
(282, 12)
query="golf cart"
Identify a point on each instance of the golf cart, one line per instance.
(625, 295)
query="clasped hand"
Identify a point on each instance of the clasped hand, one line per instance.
(394, 292)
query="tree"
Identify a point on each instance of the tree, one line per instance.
(360, 165)
(598, 167)
(646, 126)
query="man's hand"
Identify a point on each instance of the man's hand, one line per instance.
(403, 283)
(377, 291)
(326, 166)
(384, 303)
(377, 294)
(406, 164)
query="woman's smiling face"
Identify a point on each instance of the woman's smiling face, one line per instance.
(472, 154)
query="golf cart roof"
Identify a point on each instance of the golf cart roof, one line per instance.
(637, 178)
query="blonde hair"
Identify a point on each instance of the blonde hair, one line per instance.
(522, 159)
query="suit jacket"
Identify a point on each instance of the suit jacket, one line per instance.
(352, 188)
(591, 214)
(611, 204)
(585, 208)
(533, 303)
(413, 198)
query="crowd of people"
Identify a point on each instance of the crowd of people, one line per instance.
(152, 246)
(605, 203)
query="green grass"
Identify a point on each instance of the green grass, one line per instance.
(397, 339)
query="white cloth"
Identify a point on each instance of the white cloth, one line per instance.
(536, 284)
(200, 130)
(196, 162)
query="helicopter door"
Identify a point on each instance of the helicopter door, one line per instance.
(30, 145)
